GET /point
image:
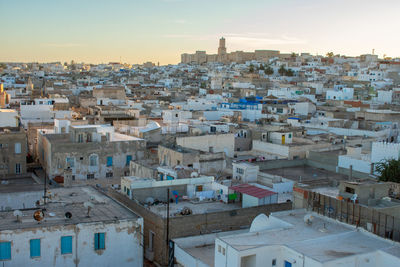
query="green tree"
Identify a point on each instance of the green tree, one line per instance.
(203, 85)
(3, 66)
(282, 70)
(293, 55)
(289, 72)
(389, 170)
(251, 68)
(268, 70)
(261, 67)
(329, 54)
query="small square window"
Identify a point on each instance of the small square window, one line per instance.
(219, 248)
(223, 251)
(274, 262)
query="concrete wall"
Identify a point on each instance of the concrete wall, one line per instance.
(159, 193)
(383, 151)
(173, 157)
(357, 164)
(209, 143)
(187, 260)
(211, 163)
(249, 201)
(15, 201)
(270, 148)
(8, 118)
(122, 238)
(139, 170)
(281, 163)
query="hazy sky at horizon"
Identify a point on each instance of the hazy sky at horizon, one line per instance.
(160, 30)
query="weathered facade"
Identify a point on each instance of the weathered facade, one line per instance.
(68, 235)
(91, 151)
(13, 151)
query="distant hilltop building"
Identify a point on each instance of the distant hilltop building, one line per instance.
(238, 56)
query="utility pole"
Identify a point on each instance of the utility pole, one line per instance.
(167, 239)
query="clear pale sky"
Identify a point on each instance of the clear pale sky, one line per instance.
(98, 31)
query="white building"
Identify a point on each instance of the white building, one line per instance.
(245, 172)
(365, 162)
(384, 97)
(297, 238)
(41, 110)
(303, 108)
(70, 233)
(209, 143)
(341, 94)
(176, 116)
(8, 118)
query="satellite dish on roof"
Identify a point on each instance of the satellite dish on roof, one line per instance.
(354, 198)
(308, 219)
(18, 214)
(150, 200)
(89, 206)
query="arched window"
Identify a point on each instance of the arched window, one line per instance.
(93, 160)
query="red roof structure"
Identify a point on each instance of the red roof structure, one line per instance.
(252, 190)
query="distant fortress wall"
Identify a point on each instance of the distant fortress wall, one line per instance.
(238, 56)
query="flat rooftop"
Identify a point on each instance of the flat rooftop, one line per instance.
(202, 247)
(308, 174)
(62, 200)
(200, 207)
(324, 240)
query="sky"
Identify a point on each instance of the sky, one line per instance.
(137, 31)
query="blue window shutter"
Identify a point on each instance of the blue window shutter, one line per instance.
(5, 250)
(66, 244)
(99, 241)
(128, 159)
(35, 247)
(102, 240)
(96, 241)
(109, 161)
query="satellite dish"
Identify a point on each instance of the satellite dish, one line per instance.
(89, 206)
(51, 214)
(308, 219)
(18, 214)
(194, 174)
(354, 198)
(68, 215)
(38, 215)
(150, 200)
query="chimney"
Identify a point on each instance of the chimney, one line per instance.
(68, 177)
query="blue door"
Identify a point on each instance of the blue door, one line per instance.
(288, 264)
